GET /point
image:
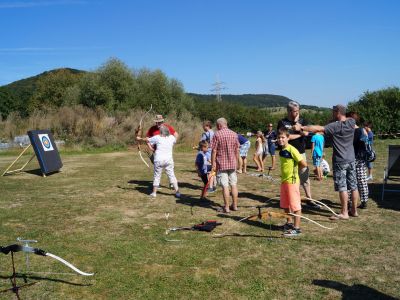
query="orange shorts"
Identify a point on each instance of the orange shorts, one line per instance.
(290, 196)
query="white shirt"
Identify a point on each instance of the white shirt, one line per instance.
(164, 145)
(325, 166)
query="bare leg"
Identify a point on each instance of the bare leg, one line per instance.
(245, 164)
(240, 160)
(261, 162)
(307, 188)
(355, 196)
(255, 158)
(225, 192)
(319, 169)
(297, 219)
(273, 158)
(343, 200)
(289, 219)
(234, 191)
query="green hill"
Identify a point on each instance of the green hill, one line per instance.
(15, 96)
(20, 95)
(253, 100)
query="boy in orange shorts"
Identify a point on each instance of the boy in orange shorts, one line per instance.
(291, 160)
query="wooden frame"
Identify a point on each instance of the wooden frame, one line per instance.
(8, 171)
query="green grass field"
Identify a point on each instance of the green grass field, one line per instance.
(97, 214)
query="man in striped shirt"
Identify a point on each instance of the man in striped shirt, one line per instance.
(225, 147)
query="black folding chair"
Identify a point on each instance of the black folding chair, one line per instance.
(392, 170)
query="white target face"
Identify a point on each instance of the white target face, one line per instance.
(46, 143)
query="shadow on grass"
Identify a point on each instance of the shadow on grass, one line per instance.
(356, 291)
(197, 202)
(259, 224)
(149, 184)
(391, 199)
(25, 277)
(38, 172)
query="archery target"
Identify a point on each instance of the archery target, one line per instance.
(46, 143)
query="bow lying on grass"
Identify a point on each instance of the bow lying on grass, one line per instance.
(267, 215)
(321, 203)
(19, 248)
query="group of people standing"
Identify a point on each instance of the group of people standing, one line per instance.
(224, 153)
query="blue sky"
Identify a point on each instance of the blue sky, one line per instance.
(317, 52)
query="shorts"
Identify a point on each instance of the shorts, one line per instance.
(369, 165)
(227, 178)
(316, 160)
(244, 149)
(271, 149)
(290, 196)
(344, 176)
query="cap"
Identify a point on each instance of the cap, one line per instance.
(158, 119)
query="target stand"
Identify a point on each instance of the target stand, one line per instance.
(46, 152)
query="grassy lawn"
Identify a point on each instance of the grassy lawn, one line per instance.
(97, 214)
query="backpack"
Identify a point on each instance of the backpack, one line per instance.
(367, 153)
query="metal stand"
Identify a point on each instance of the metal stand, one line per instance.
(26, 244)
(15, 288)
(23, 167)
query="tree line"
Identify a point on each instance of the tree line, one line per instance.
(116, 89)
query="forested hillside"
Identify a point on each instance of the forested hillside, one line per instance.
(102, 106)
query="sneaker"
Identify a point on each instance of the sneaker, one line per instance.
(288, 226)
(210, 190)
(314, 205)
(177, 195)
(171, 186)
(292, 232)
(369, 178)
(153, 195)
(363, 205)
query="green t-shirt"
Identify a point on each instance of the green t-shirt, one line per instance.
(290, 157)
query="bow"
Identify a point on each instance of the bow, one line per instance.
(267, 215)
(321, 203)
(19, 248)
(138, 130)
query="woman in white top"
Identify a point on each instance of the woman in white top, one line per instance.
(163, 145)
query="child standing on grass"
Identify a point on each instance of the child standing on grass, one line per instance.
(291, 160)
(163, 144)
(203, 164)
(317, 149)
(258, 155)
(325, 167)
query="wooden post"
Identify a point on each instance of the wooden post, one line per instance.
(19, 156)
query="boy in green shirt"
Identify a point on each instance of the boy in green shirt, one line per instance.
(290, 199)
